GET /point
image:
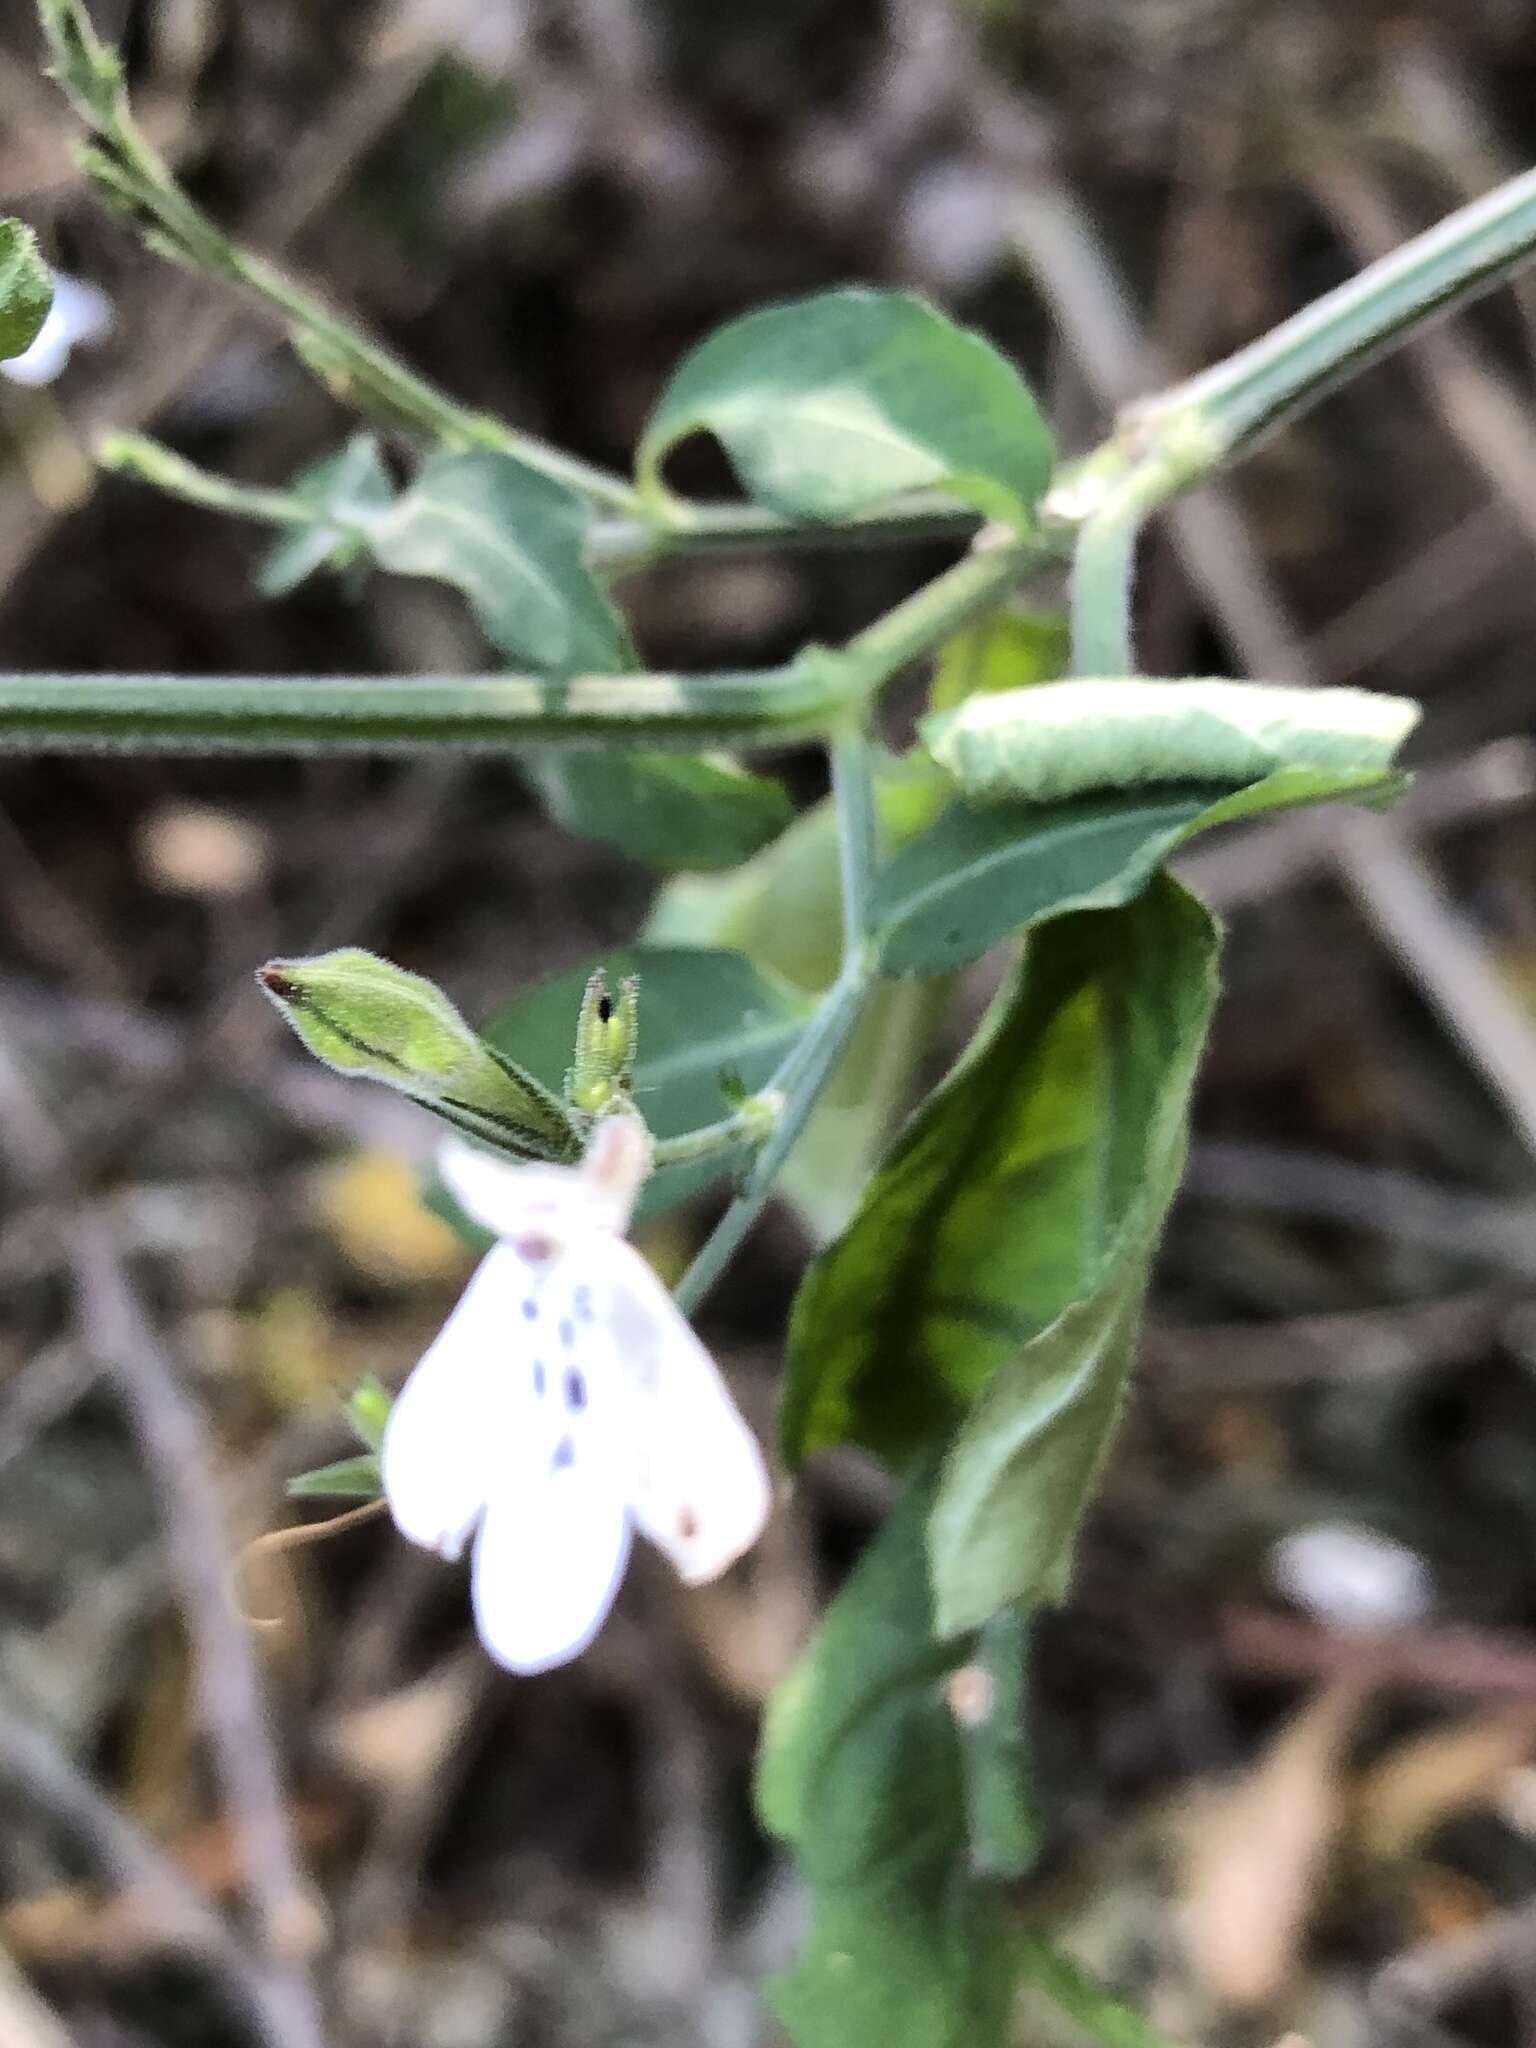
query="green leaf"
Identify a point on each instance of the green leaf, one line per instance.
(365, 1016)
(990, 1717)
(1071, 836)
(673, 811)
(704, 1014)
(368, 1407)
(1029, 1188)
(26, 289)
(512, 542)
(829, 405)
(1008, 651)
(352, 1478)
(1065, 739)
(350, 489)
(871, 1086)
(861, 1772)
(978, 876)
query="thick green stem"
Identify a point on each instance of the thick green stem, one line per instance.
(374, 714)
(1170, 443)
(1460, 258)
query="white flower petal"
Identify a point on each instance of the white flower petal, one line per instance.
(447, 1432)
(699, 1485)
(79, 313)
(519, 1201)
(550, 1555)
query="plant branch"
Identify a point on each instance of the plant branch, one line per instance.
(1462, 257)
(998, 559)
(810, 1063)
(148, 461)
(858, 827)
(800, 1079)
(374, 714)
(134, 178)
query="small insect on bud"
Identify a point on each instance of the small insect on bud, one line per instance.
(364, 1016)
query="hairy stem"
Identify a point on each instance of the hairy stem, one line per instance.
(374, 714)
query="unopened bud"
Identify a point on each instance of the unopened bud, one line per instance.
(362, 1015)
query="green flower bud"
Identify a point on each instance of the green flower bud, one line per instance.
(607, 1036)
(362, 1015)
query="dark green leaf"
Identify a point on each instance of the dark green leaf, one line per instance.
(831, 404)
(349, 489)
(26, 289)
(1066, 739)
(978, 876)
(1029, 1186)
(1009, 651)
(673, 811)
(861, 1772)
(512, 542)
(703, 1014)
(350, 1478)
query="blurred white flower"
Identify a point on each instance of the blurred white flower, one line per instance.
(565, 1405)
(1351, 1577)
(79, 313)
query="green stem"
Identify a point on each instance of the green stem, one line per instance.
(151, 462)
(858, 827)
(1103, 579)
(800, 1079)
(1101, 2015)
(724, 529)
(134, 177)
(809, 1065)
(922, 622)
(753, 1124)
(373, 714)
(1460, 258)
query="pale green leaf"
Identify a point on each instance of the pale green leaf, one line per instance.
(349, 1478)
(26, 289)
(673, 811)
(349, 490)
(368, 1407)
(1008, 651)
(829, 405)
(1038, 745)
(512, 542)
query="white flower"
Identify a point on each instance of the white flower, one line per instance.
(79, 313)
(1351, 1577)
(565, 1403)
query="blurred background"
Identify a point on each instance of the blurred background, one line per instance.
(1286, 1727)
